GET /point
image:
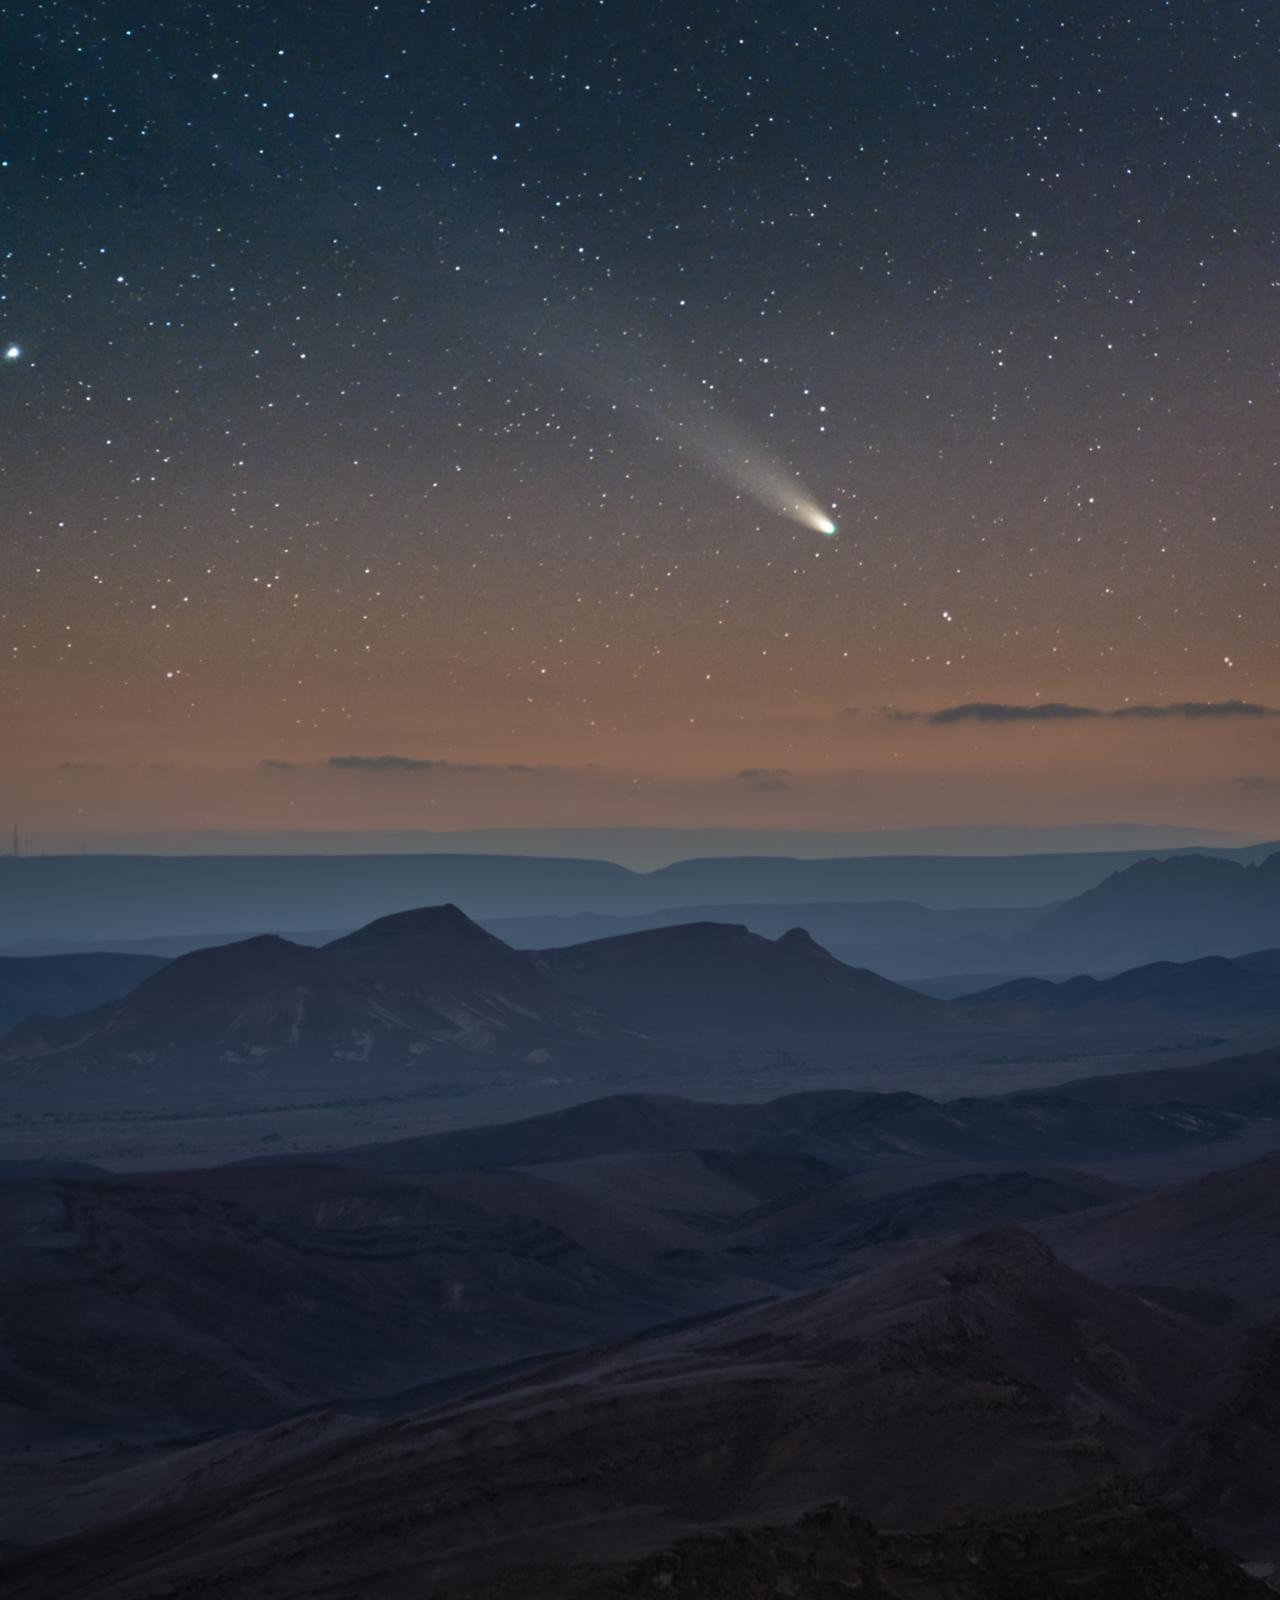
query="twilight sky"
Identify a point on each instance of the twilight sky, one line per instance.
(426, 415)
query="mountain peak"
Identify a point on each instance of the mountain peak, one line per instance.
(702, 977)
(420, 925)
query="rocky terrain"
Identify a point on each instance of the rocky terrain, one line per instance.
(428, 993)
(923, 1349)
(993, 1421)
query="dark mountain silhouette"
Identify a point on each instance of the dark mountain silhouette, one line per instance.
(770, 1334)
(1209, 1244)
(428, 990)
(646, 1344)
(120, 897)
(937, 881)
(845, 1129)
(238, 1004)
(147, 1305)
(1177, 909)
(893, 937)
(979, 1398)
(917, 916)
(667, 1216)
(710, 978)
(1224, 1470)
(438, 970)
(1212, 985)
(1244, 1086)
(58, 985)
(826, 1229)
(422, 988)
(166, 946)
(1266, 963)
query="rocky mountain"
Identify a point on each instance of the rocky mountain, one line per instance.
(652, 1338)
(1209, 986)
(1224, 1469)
(707, 978)
(842, 1128)
(237, 1004)
(838, 1226)
(429, 991)
(137, 1307)
(896, 938)
(423, 989)
(1177, 909)
(1208, 1246)
(991, 1407)
(1243, 1086)
(151, 1305)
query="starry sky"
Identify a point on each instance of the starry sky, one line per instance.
(437, 415)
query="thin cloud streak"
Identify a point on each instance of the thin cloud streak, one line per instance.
(996, 712)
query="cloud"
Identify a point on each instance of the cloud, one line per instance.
(400, 766)
(417, 764)
(765, 777)
(1255, 783)
(1194, 709)
(994, 711)
(393, 764)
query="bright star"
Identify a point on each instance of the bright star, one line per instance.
(13, 352)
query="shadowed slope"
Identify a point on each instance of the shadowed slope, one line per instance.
(981, 1380)
(418, 990)
(846, 1129)
(721, 979)
(1215, 1240)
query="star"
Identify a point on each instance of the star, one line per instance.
(13, 352)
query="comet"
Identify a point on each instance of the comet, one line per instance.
(723, 447)
(618, 364)
(621, 364)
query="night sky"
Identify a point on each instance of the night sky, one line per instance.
(429, 415)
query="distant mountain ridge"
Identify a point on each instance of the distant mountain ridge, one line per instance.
(1211, 984)
(895, 937)
(384, 997)
(1194, 935)
(1175, 909)
(429, 988)
(845, 1129)
(722, 979)
(64, 984)
(120, 897)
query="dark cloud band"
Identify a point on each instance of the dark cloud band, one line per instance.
(990, 711)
